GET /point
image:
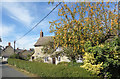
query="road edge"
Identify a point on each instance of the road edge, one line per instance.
(23, 71)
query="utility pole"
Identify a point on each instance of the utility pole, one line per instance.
(14, 46)
(0, 39)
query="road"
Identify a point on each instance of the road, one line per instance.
(6, 71)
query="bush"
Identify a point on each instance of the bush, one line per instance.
(90, 65)
(70, 64)
(109, 54)
(50, 70)
(38, 60)
(63, 63)
(15, 56)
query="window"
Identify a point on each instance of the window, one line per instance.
(58, 58)
(46, 58)
(32, 57)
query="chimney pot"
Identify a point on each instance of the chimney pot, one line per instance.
(9, 44)
(41, 34)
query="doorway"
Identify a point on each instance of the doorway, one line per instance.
(53, 60)
(32, 58)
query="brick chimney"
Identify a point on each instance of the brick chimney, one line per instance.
(41, 33)
(9, 44)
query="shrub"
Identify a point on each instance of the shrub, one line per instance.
(89, 64)
(63, 63)
(38, 60)
(15, 56)
(109, 54)
(50, 70)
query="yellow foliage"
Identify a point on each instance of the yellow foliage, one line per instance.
(69, 39)
(91, 11)
(110, 28)
(66, 45)
(107, 2)
(65, 5)
(74, 10)
(101, 45)
(83, 50)
(66, 27)
(115, 21)
(111, 23)
(89, 5)
(89, 63)
(62, 8)
(81, 7)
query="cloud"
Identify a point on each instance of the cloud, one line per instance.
(8, 35)
(6, 30)
(19, 12)
(27, 42)
(25, 0)
(23, 13)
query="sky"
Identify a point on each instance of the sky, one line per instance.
(19, 17)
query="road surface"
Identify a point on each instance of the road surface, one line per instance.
(6, 71)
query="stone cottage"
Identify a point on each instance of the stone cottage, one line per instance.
(48, 58)
(7, 51)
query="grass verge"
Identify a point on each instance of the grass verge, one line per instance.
(23, 71)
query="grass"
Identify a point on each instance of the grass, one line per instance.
(50, 70)
(23, 71)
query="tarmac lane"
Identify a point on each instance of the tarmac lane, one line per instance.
(7, 72)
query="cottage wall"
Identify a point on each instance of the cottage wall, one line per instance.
(62, 59)
(47, 58)
(38, 52)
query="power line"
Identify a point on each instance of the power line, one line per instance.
(40, 21)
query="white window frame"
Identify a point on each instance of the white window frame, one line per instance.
(46, 59)
(59, 58)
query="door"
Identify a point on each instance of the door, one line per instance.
(53, 60)
(32, 58)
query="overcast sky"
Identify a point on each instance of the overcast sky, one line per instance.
(19, 17)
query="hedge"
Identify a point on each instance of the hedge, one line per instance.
(49, 70)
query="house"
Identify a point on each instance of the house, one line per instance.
(48, 58)
(24, 54)
(7, 52)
